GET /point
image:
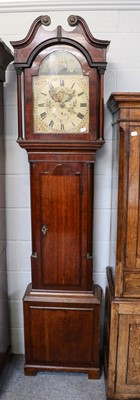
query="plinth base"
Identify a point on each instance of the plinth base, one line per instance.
(62, 331)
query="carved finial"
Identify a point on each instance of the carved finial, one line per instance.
(72, 20)
(46, 20)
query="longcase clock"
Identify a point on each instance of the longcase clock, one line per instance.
(122, 320)
(60, 121)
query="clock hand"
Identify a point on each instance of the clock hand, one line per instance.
(70, 96)
(68, 99)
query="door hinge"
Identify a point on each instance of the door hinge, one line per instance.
(32, 164)
(34, 254)
(89, 256)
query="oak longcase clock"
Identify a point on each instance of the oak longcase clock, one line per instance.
(60, 124)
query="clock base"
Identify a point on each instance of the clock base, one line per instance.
(62, 331)
(31, 370)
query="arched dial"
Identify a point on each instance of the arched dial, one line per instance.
(61, 104)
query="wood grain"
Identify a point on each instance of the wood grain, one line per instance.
(123, 316)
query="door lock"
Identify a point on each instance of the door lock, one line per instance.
(44, 229)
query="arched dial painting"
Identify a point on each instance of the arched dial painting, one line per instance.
(60, 123)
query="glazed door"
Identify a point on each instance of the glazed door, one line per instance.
(60, 229)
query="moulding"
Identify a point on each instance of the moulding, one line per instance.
(63, 5)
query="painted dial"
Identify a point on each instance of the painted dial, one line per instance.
(61, 104)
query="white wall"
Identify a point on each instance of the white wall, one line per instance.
(122, 27)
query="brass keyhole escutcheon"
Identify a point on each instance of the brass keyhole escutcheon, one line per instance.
(44, 229)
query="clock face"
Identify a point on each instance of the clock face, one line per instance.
(60, 104)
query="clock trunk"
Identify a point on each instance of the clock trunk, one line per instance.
(62, 238)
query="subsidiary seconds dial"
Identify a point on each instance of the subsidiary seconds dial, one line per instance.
(61, 104)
